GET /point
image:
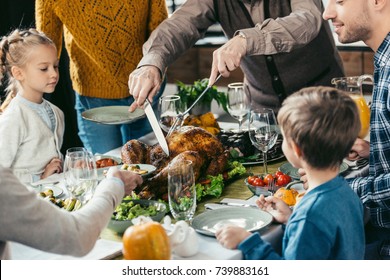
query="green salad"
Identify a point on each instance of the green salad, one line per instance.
(128, 210)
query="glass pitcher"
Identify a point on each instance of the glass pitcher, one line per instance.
(353, 85)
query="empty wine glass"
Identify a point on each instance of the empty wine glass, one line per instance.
(263, 131)
(169, 108)
(80, 174)
(238, 102)
(181, 190)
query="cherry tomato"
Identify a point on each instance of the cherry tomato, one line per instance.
(251, 179)
(278, 173)
(283, 180)
(258, 182)
(268, 179)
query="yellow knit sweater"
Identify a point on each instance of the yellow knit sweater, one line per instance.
(103, 38)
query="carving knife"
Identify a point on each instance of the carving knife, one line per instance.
(156, 126)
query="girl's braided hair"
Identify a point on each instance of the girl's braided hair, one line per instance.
(14, 51)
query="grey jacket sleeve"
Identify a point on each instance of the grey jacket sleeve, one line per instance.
(30, 220)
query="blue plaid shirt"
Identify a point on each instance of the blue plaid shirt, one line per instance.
(374, 190)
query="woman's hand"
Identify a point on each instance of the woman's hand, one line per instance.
(131, 180)
(276, 207)
(54, 166)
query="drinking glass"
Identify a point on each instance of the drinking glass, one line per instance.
(181, 190)
(169, 108)
(353, 85)
(263, 131)
(238, 102)
(80, 174)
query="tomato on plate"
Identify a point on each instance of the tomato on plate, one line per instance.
(283, 180)
(268, 179)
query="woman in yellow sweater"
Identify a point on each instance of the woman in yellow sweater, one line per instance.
(104, 41)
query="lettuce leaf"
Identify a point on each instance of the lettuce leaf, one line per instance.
(217, 183)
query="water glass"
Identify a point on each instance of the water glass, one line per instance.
(238, 102)
(169, 108)
(80, 174)
(181, 190)
(263, 131)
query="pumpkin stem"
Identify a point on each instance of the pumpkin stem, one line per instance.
(289, 185)
(141, 220)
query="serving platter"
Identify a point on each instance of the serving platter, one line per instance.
(238, 143)
(260, 160)
(274, 154)
(113, 115)
(251, 219)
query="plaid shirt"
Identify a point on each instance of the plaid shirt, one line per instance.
(374, 190)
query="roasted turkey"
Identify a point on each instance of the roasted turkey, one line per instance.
(192, 143)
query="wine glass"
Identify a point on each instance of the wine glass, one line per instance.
(263, 131)
(169, 108)
(353, 85)
(238, 102)
(181, 190)
(80, 174)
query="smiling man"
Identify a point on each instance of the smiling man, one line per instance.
(369, 21)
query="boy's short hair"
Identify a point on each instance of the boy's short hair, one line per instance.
(323, 122)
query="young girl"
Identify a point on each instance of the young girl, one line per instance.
(31, 128)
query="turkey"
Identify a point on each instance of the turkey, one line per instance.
(191, 143)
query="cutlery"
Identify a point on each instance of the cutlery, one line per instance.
(218, 205)
(356, 164)
(239, 202)
(180, 116)
(52, 180)
(156, 126)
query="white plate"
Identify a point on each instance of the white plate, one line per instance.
(101, 171)
(57, 191)
(251, 219)
(99, 156)
(113, 115)
(148, 167)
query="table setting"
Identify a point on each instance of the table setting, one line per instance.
(254, 143)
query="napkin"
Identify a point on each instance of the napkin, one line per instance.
(52, 179)
(103, 250)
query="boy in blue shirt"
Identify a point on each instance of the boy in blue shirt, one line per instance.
(319, 126)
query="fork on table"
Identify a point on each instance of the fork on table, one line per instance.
(272, 186)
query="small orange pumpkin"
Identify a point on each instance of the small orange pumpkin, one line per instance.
(287, 194)
(146, 241)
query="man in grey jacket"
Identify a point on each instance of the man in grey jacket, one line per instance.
(281, 46)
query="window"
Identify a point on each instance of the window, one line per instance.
(174, 4)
